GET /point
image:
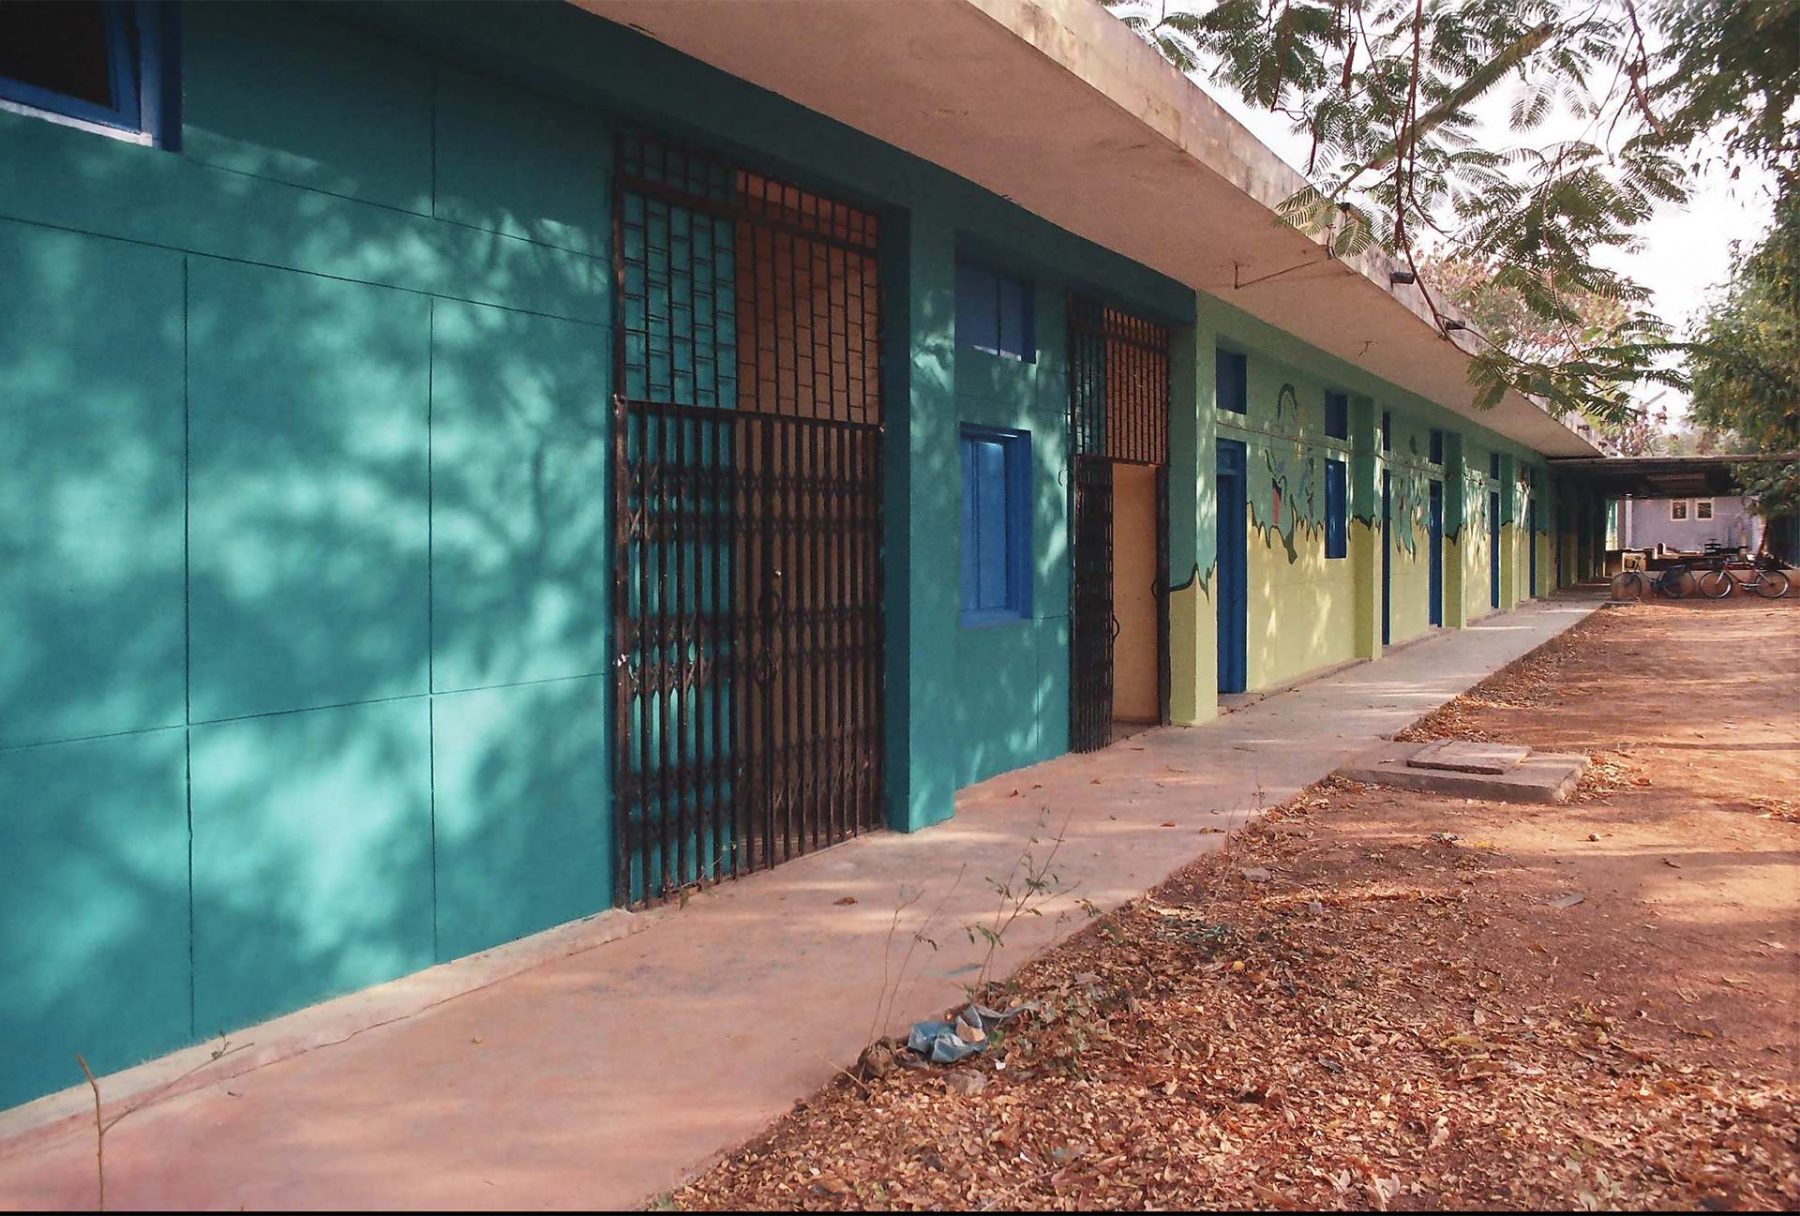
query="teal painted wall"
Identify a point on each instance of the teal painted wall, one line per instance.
(306, 597)
(1013, 678)
(310, 439)
(945, 729)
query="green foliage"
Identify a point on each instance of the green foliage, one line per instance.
(1733, 70)
(1746, 361)
(1385, 92)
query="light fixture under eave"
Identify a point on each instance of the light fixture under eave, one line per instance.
(1401, 278)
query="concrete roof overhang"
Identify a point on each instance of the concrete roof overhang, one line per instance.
(1663, 476)
(1059, 107)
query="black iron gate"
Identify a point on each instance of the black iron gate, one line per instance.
(747, 498)
(1118, 414)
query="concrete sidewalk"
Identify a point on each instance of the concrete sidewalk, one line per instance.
(600, 1077)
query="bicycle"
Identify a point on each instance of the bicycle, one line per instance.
(1676, 582)
(1767, 578)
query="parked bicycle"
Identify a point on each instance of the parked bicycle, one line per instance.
(1675, 582)
(1766, 578)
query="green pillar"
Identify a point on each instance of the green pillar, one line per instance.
(1193, 527)
(1365, 524)
(1511, 553)
(1457, 546)
(921, 503)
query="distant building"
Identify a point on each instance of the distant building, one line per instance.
(1689, 524)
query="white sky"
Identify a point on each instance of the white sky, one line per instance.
(1684, 251)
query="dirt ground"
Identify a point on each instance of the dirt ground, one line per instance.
(1375, 998)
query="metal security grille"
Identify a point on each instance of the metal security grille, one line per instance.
(1118, 414)
(1118, 384)
(1092, 626)
(747, 586)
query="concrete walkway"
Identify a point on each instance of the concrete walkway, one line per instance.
(599, 1078)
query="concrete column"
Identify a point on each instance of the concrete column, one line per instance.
(1365, 524)
(1510, 532)
(1193, 528)
(921, 501)
(1457, 546)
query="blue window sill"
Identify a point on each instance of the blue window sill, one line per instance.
(993, 617)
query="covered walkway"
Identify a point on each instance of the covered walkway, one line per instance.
(574, 1071)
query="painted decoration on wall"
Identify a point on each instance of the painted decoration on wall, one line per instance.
(1292, 497)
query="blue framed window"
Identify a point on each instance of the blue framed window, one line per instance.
(1387, 430)
(97, 64)
(1437, 446)
(993, 312)
(996, 525)
(1337, 415)
(1337, 502)
(1233, 381)
(1494, 465)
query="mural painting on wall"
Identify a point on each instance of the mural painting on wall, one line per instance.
(1475, 509)
(1291, 499)
(1409, 486)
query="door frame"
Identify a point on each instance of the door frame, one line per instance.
(748, 616)
(1493, 548)
(1232, 561)
(1387, 556)
(1434, 554)
(1130, 426)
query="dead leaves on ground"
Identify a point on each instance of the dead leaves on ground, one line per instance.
(1321, 1018)
(1341, 1044)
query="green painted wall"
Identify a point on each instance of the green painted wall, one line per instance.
(307, 431)
(1013, 702)
(1302, 607)
(1289, 577)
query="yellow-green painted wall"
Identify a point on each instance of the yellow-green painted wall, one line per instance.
(1302, 604)
(1472, 548)
(1194, 651)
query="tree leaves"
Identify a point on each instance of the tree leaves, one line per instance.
(1385, 92)
(1746, 360)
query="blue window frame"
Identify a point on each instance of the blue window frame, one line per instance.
(996, 525)
(1337, 501)
(1232, 381)
(1494, 465)
(993, 312)
(97, 64)
(1387, 430)
(1437, 446)
(1337, 415)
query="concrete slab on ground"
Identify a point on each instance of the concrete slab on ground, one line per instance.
(597, 1075)
(1467, 756)
(1532, 777)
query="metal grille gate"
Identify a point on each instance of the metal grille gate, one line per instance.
(747, 499)
(1118, 414)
